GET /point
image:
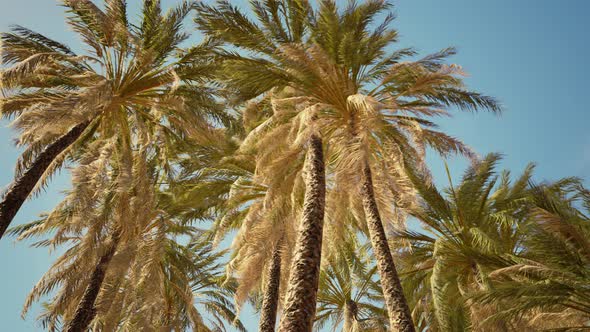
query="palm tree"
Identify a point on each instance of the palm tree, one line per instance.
(171, 285)
(257, 203)
(91, 218)
(143, 278)
(466, 234)
(226, 23)
(85, 312)
(262, 249)
(353, 94)
(547, 281)
(62, 100)
(349, 293)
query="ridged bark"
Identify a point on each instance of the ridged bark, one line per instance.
(22, 187)
(300, 303)
(86, 309)
(400, 317)
(270, 301)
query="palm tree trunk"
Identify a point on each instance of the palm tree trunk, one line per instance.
(86, 310)
(350, 316)
(270, 302)
(22, 187)
(399, 312)
(300, 303)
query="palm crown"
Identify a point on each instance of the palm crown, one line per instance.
(467, 232)
(134, 83)
(549, 276)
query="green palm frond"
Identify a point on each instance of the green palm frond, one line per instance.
(469, 230)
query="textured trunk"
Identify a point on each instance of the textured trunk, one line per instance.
(22, 187)
(86, 310)
(300, 303)
(397, 306)
(270, 302)
(350, 316)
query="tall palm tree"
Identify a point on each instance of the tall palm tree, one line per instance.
(262, 249)
(548, 280)
(353, 94)
(62, 100)
(467, 233)
(92, 218)
(281, 23)
(143, 278)
(257, 203)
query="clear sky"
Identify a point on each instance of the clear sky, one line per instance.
(530, 54)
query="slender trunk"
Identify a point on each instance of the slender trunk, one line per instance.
(300, 303)
(86, 309)
(350, 316)
(270, 302)
(399, 312)
(22, 187)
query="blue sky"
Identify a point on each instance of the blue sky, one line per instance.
(529, 54)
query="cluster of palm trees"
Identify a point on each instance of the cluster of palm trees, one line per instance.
(300, 132)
